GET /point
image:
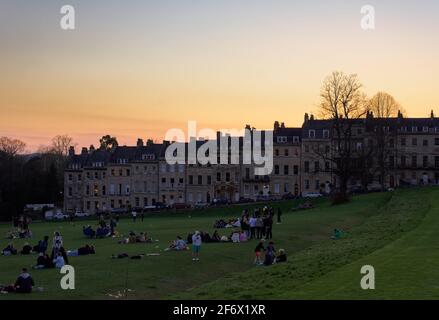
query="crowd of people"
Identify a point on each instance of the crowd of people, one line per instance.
(255, 225)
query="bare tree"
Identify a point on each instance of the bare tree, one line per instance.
(11, 147)
(343, 102)
(382, 107)
(60, 145)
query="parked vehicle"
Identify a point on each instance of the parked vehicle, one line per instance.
(312, 195)
(220, 202)
(161, 205)
(288, 196)
(81, 214)
(180, 206)
(246, 200)
(201, 205)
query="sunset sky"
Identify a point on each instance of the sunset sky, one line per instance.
(138, 68)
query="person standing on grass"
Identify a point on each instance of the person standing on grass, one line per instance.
(279, 214)
(142, 215)
(134, 215)
(252, 224)
(196, 246)
(258, 252)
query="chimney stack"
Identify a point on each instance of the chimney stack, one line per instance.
(139, 143)
(84, 150)
(306, 118)
(71, 151)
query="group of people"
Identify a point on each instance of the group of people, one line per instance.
(259, 225)
(103, 229)
(21, 228)
(142, 237)
(270, 257)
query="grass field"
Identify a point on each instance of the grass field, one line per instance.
(394, 232)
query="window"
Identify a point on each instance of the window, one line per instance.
(281, 139)
(127, 189)
(70, 191)
(317, 185)
(209, 180)
(200, 179)
(296, 170)
(87, 190)
(286, 170)
(70, 177)
(247, 173)
(227, 176)
(306, 148)
(163, 180)
(137, 202)
(414, 129)
(128, 172)
(414, 161)
(104, 190)
(425, 161)
(286, 188)
(95, 190)
(79, 177)
(306, 166)
(276, 169)
(326, 134)
(295, 139)
(112, 172)
(286, 152)
(181, 181)
(276, 152)
(327, 166)
(316, 166)
(436, 161)
(403, 161)
(425, 143)
(391, 162)
(414, 142)
(307, 184)
(145, 201)
(276, 188)
(191, 179)
(425, 129)
(311, 134)
(96, 175)
(436, 141)
(218, 176)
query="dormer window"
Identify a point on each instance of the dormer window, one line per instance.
(296, 139)
(311, 134)
(122, 161)
(414, 129)
(425, 129)
(281, 139)
(326, 134)
(148, 156)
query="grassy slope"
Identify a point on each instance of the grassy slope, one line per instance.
(174, 272)
(318, 272)
(405, 269)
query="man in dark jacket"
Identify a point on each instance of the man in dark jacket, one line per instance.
(24, 282)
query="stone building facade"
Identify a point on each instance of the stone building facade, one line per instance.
(139, 176)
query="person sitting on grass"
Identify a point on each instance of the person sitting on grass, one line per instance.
(178, 245)
(83, 251)
(43, 261)
(270, 253)
(337, 234)
(24, 282)
(243, 236)
(88, 231)
(215, 237)
(27, 249)
(235, 237)
(282, 256)
(10, 249)
(143, 238)
(102, 231)
(258, 252)
(59, 261)
(42, 245)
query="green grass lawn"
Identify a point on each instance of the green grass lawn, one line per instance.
(392, 231)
